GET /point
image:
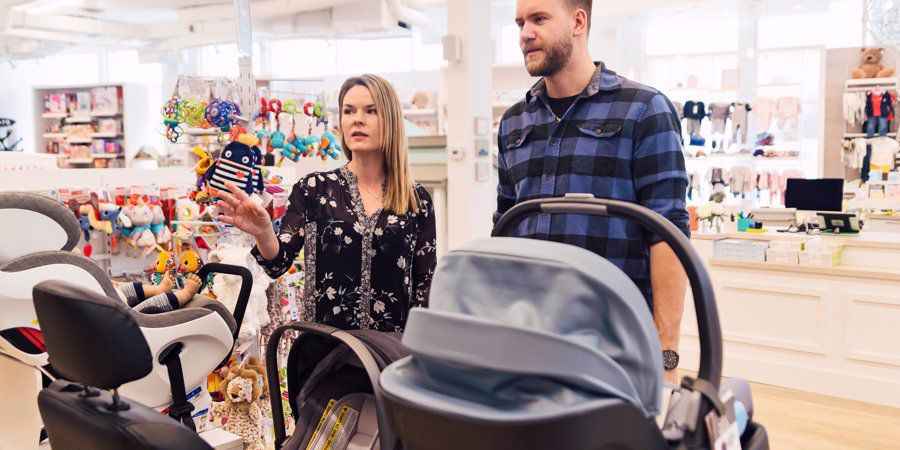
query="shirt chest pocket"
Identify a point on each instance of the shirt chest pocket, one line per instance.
(597, 148)
(524, 153)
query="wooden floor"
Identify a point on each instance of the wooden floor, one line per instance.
(799, 420)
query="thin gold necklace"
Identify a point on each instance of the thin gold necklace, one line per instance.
(371, 193)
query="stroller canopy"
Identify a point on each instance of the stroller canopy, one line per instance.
(521, 329)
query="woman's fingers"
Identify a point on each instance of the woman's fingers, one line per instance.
(229, 199)
(238, 193)
(225, 207)
(226, 219)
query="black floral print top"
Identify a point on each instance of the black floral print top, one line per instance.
(361, 272)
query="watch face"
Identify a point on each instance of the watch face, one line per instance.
(670, 359)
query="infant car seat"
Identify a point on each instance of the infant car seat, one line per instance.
(530, 344)
(202, 333)
(77, 415)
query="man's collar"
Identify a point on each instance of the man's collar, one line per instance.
(603, 80)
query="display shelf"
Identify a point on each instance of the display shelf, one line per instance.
(54, 135)
(54, 115)
(78, 140)
(864, 135)
(107, 156)
(420, 112)
(105, 114)
(874, 273)
(867, 82)
(106, 135)
(79, 119)
(201, 131)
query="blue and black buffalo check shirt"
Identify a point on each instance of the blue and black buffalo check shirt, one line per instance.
(619, 140)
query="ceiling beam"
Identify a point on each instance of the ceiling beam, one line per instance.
(72, 24)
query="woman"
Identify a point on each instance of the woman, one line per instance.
(367, 230)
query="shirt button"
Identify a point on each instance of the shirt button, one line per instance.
(549, 177)
(518, 141)
(598, 131)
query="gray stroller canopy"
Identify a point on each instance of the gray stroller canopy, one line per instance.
(520, 329)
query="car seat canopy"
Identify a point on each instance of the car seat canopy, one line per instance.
(536, 321)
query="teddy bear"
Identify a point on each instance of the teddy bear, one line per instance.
(244, 390)
(871, 66)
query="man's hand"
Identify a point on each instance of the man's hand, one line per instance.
(669, 285)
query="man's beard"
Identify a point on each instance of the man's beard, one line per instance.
(555, 58)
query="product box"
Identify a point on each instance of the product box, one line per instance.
(779, 256)
(739, 249)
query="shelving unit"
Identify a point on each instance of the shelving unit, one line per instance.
(130, 107)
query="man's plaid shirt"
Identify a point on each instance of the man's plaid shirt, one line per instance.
(619, 140)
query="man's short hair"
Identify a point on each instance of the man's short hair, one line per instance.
(582, 4)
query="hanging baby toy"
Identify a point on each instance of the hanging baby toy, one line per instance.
(193, 112)
(239, 164)
(221, 114)
(171, 113)
(163, 264)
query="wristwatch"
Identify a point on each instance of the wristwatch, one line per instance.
(670, 359)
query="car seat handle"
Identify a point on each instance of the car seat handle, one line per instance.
(243, 295)
(709, 329)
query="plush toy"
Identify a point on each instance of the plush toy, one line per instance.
(227, 287)
(137, 234)
(239, 164)
(188, 263)
(163, 264)
(331, 145)
(244, 390)
(186, 210)
(870, 65)
(158, 226)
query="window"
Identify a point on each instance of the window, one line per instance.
(222, 60)
(298, 58)
(840, 27)
(125, 66)
(689, 33)
(374, 55)
(67, 69)
(510, 52)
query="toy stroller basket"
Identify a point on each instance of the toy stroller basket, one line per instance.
(710, 331)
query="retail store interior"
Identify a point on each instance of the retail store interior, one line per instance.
(138, 139)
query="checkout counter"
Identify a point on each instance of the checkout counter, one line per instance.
(833, 330)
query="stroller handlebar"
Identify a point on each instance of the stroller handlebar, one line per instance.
(710, 332)
(243, 295)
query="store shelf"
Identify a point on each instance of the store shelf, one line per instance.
(420, 112)
(79, 141)
(867, 82)
(104, 114)
(105, 136)
(864, 135)
(80, 161)
(874, 273)
(202, 131)
(107, 156)
(54, 135)
(54, 115)
(79, 119)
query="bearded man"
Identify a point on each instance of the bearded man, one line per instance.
(584, 129)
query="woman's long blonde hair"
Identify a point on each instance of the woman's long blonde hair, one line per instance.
(400, 193)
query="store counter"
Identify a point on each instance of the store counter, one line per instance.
(831, 330)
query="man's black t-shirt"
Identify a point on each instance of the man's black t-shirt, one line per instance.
(559, 106)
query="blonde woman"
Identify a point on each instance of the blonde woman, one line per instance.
(367, 230)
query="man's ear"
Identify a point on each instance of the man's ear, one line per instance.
(581, 22)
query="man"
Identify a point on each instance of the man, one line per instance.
(583, 128)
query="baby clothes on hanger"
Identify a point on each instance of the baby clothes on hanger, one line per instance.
(718, 114)
(854, 107)
(694, 179)
(694, 112)
(739, 114)
(854, 153)
(679, 109)
(884, 151)
(742, 180)
(782, 180)
(788, 111)
(763, 108)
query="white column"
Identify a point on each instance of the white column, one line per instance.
(471, 199)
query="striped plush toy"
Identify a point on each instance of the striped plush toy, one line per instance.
(239, 164)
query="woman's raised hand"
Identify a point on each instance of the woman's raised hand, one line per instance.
(242, 212)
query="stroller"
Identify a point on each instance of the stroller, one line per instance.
(532, 344)
(332, 387)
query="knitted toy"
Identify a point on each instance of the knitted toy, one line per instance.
(870, 65)
(227, 287)
(244, 390)
(239, 164)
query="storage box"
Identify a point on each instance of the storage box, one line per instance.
(779, 256)
(738, 249)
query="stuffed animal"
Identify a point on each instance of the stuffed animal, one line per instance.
(163, 264)
(870, 65)
(186, 210)
(331, 145)
(244, 390)
(188, 263)
(158, 226)
(239, 164)
(138, 234)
